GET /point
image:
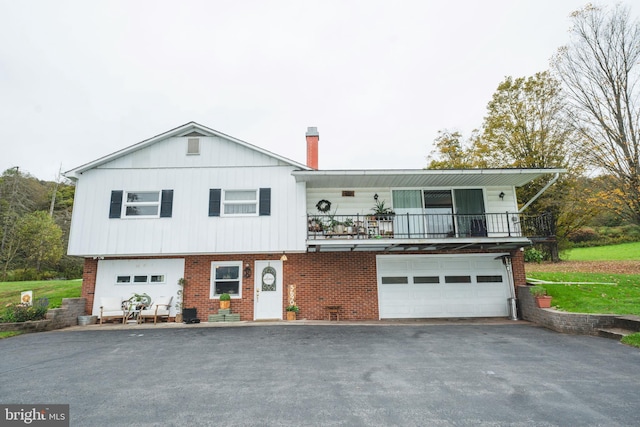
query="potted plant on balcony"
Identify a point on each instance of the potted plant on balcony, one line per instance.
(292, 311)
(542, 299)
(348, 224)
(337, 226)
(333, 225)
(382, 212)
(315, 225)
(225, 301)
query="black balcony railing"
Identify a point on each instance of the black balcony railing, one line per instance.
(429, 226)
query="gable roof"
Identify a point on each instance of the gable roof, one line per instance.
(184, 130)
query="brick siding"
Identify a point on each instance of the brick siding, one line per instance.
(347, 279)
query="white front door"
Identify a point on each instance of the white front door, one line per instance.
(267, 290)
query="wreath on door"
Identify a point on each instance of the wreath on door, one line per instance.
(269, 279)
(323, 205)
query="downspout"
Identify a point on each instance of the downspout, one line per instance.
(513, 301)
(534, 198)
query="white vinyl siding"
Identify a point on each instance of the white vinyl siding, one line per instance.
(170, 153)
(360, 203)
(190, 229)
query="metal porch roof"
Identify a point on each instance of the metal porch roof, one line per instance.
(420, 177)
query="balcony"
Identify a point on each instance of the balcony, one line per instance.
(426, 231)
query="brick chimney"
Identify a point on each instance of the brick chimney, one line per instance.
(312, 147)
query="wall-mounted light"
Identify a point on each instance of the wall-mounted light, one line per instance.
(283, 257)
(247, 271)
(501, 195)
(375, 197)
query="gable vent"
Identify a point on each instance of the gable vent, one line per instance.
(194, 133)
(193, 146)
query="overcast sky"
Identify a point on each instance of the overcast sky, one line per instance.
(82, 79)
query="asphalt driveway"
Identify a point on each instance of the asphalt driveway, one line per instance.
(324, 375)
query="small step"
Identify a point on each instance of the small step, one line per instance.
(628, 322)
(216, 318)
(614, 333)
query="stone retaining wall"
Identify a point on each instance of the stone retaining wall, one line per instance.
(567, 323)
(57, 318)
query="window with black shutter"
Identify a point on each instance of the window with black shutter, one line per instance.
(115, 209)
(265, 202)
(214, 201)
(141, 204)
(166, 205)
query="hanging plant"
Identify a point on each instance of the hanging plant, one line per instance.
(323, 206)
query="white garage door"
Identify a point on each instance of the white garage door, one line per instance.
(124, 277)
(415, 286)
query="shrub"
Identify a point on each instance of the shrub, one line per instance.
(533, 255)
(537, 291)
(24, 313)
(23, 274)
(70, 267)
(602, 236)
(584, 234)
(30, 274)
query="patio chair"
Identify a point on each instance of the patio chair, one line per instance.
(158, 310)
(111, 308)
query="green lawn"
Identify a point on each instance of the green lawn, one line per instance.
(55, 290)
(622, 252)
(633, 339)
(10, 334)
(622, 297)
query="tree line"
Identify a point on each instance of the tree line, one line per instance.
(582, 115)
(35, 218)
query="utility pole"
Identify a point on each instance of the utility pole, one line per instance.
(55, 192)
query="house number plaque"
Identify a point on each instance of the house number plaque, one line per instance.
(269, 279)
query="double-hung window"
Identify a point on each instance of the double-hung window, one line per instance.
(249, 202)
(142, 203)
(239, 202)
(226, 278)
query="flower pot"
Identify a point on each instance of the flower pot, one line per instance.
(178, 317)
(225, 304)
(291, 315)
(543, 301)
(87, 320)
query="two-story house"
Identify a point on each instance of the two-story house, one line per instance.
(230, 217)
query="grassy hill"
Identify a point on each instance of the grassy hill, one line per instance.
(54, 290)
(621, 252)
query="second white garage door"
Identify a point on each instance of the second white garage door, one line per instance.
(424, 286)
